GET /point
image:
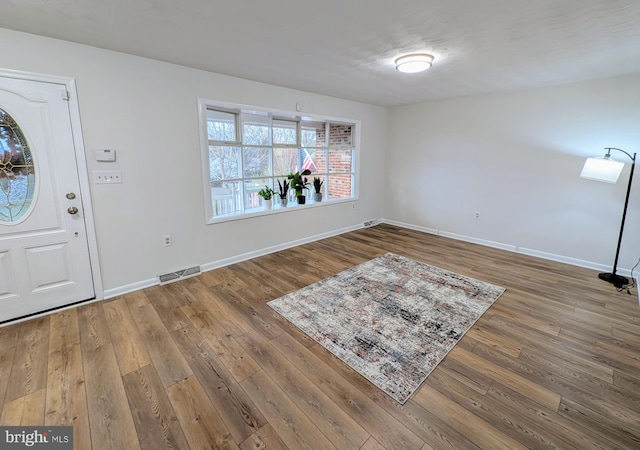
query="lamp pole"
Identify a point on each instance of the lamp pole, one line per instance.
(615, 279)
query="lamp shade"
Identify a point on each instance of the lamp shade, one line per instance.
(602, 169)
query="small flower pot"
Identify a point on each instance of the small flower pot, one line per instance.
(283, 202)
(301, 199)
(317, 197)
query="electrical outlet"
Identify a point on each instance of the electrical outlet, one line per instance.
(107, 176)
(167, 240)
(477, 216)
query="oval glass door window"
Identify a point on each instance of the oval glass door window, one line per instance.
(17, 173)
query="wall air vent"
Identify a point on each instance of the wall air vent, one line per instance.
(179, 275)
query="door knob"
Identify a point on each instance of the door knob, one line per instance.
(72, 210)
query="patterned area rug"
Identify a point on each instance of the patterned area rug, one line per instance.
(392, 319)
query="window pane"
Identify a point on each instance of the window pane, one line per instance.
(341, 160)
(251, 189)
(285, 132)
(255, 129)
(221, 126)
(225, 197)
(285, 160)
(319, 159)
(309, 159)
(340, 186)
(224, 162)
(313, 134)
(340, 135)
(17, 172)
(256, 162)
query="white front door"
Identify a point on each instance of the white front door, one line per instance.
(44, 254)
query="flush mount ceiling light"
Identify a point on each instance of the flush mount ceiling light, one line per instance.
(417, 62)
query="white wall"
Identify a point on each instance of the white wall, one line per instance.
(516, 159)
(147, 111)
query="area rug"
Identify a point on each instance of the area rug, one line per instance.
(392, 319)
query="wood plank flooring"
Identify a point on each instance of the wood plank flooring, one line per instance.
(205, 363)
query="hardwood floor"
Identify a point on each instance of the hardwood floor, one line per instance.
(205, 363)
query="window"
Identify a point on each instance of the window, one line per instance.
(246, 149)
(17, 171)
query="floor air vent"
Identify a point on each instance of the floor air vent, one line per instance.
(179, 275)
(370, 223)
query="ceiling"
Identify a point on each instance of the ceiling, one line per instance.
(346, 48)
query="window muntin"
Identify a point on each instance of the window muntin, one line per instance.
(267, 147)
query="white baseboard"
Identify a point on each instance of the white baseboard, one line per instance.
(410, 226)
(473, 240)
(565, 259)
(121, 290)
(276, 248)
(511, 248)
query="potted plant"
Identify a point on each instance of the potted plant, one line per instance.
(317, 185)
(299, 181)
(266, 193)
(284, 189)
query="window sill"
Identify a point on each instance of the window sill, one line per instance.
(277, 209)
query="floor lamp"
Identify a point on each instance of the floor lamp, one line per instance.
(607, 170)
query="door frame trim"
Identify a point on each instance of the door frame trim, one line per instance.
(81, 164)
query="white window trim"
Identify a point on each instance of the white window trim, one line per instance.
(279, 114)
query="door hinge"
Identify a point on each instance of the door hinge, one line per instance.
(65, 94)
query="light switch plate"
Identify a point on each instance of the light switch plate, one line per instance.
(107, 176)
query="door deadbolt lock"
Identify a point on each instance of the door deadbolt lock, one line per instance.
(72, 210)
(71, 195)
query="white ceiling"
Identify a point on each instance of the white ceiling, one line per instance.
(346, 48)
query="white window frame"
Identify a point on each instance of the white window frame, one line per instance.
(205, 104)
